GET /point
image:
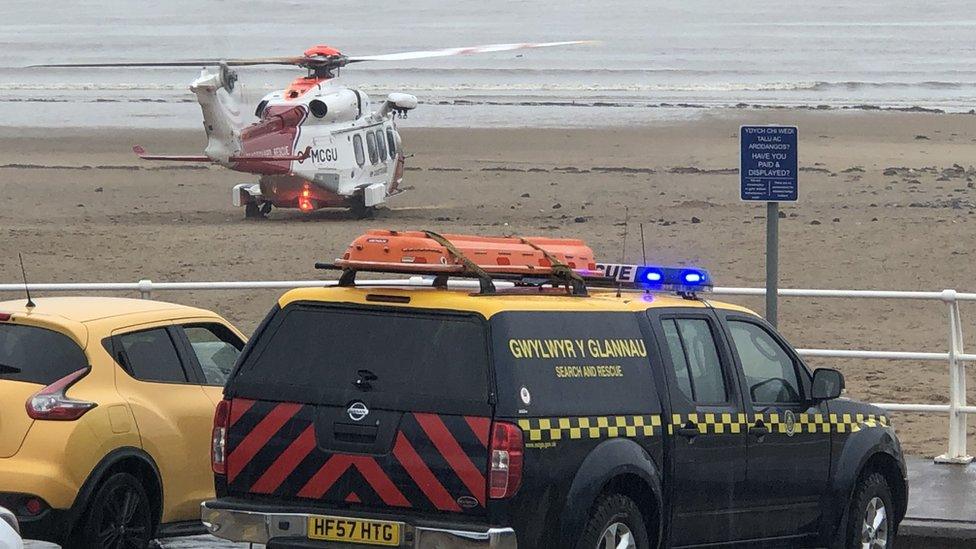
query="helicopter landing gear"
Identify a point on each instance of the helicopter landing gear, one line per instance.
(360, 210)
(253, 210)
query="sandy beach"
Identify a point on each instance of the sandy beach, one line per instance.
(886, 202)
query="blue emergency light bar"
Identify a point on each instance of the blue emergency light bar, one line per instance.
(652, 277)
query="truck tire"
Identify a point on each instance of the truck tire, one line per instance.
(871, 516)
(119, 516)
(615, 523)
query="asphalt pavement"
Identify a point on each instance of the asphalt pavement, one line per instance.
(941, 512)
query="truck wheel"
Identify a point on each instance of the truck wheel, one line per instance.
(615, 523)
(119, 516)
(871, 524)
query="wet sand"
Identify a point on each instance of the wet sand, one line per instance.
(886, 202)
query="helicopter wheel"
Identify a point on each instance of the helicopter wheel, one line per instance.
(252, 210)
(362, 211)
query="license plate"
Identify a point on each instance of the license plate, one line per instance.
(368, 532)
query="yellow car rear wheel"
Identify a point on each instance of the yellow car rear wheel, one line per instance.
(119, 516)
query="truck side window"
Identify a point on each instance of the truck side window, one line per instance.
(694, 357)
(769, 370)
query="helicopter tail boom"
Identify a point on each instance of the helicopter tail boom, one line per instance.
(141, 153)
(221, 113)
(300, 157)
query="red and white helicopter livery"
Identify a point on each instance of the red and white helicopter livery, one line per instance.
(317, 143)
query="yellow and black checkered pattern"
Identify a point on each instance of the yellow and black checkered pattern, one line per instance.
(598, 427)
(727, 423)
(595, 427)
(711, 424)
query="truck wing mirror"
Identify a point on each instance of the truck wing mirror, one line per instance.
(827, 384)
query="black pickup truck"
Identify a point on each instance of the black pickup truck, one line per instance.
(435, 418)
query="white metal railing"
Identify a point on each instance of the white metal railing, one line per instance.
(955, 357)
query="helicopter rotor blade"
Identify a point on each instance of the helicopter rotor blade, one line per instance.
(322, 61)
(187, 63)
(447, 52)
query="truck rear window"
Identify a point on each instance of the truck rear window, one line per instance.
(37, 355)
(403, 360)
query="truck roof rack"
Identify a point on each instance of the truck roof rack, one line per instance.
(527, 261)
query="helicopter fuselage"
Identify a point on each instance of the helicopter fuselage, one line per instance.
(316, 144)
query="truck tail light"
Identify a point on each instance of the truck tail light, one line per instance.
(51, 402)
(506, 461)
(218, 439)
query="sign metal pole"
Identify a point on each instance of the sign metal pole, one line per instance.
(772, 261)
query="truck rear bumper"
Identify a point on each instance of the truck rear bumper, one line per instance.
(261, 527)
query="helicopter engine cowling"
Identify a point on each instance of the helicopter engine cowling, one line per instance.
(339, 105)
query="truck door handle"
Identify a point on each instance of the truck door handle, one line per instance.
(758, 430)
(690, 430)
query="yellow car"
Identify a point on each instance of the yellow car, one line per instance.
(106, 408)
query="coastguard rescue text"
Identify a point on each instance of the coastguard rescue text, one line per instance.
(577, 348)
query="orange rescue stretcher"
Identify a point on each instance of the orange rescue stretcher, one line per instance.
(429, 252)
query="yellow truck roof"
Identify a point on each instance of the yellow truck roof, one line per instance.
(599, 300)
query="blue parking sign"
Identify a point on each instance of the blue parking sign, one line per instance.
(768, 163)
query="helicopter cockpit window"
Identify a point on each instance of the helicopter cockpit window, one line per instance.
(357, 146)
(381, 145)
(391, 142)
(371, 147)
(259, 112)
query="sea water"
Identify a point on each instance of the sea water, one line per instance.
(653, 60)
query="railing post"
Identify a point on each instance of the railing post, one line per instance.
(957, 387)
(145, 288)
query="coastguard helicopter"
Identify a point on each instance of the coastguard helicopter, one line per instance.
(317, 143)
